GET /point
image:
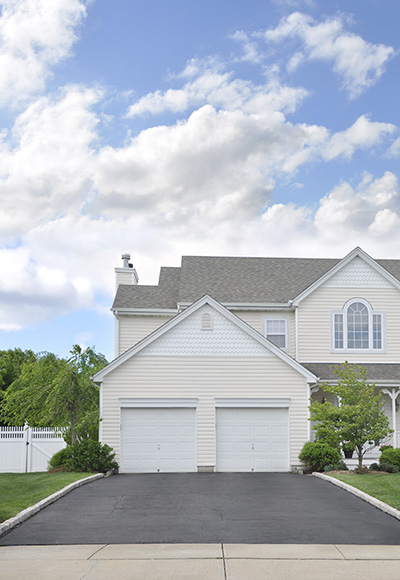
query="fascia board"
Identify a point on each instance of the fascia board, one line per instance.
(184, 314)
(144, 311)
(377, 383)
(357, 252)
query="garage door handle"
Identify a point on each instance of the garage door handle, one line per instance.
(252, 446)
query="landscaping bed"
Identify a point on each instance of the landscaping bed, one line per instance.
(21, 490)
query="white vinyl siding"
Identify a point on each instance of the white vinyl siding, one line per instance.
(315, 324)
(205, 378)
(132, 329)
(257, 321)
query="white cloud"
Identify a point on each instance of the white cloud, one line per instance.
(34, 36)
(357, 62)
(202, 184)
(363, 134)
(47, 162)
(219, 89)
(348, 212)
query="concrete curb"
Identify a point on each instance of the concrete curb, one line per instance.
(32, 510)
(361, 494)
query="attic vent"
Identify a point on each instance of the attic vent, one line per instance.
(206, 321)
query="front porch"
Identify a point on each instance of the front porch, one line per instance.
(386, 380)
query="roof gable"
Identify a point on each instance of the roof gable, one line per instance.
(357, 269)
(244, 339)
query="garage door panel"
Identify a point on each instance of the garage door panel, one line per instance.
(252, 439)
(157, 440)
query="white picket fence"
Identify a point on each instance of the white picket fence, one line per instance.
(26, 449)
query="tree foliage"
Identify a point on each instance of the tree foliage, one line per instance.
(52, 391)
(11, 363)
(359, 416)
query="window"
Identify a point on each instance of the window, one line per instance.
(275, 331)
(357, 327)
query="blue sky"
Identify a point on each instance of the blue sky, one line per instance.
(169, 128)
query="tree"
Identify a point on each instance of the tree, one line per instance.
(359, 416)
(56, 392)
(11, 363)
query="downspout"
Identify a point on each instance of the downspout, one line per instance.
(101, 412)
(296, 330)
(116, 337)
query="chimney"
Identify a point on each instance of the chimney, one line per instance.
(127, 274)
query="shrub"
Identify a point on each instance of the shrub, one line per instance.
(389, 467)
(341, 466)
(87, 455)
(317, 455)
(60, 459)
(375, 467)
(390, 455)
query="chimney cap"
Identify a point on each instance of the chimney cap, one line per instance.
(126, 256)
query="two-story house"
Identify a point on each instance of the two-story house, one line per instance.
(215, 366)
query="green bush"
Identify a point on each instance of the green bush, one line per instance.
(340, 466)
(60, 458)
(389, 467)
(375, 467)
(87, 455)
(317, 455)
(390, 455)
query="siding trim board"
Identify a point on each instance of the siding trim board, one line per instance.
(256, 403)
(157, 403)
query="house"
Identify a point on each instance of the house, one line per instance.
(215, 366)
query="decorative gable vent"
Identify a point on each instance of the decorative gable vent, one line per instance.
(207, 321)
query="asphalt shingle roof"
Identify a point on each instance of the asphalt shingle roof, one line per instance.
(232, 280)
(163, 296)
(375, 372)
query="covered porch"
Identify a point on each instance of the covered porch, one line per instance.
(385, 378)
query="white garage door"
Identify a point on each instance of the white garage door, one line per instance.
(158, 440)
(252, 439)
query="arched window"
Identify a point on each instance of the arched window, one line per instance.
(357, 327)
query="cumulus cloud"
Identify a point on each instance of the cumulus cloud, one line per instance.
(209, 84)
(34, 36)
(357, 62)
(46, 163)
(204, 183)
(348, 211)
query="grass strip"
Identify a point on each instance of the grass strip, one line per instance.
(21, 490)
(382, 486)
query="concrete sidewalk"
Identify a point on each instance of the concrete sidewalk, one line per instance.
(200, 562)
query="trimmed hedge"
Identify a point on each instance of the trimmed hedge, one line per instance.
(87, 455)
(318, 455)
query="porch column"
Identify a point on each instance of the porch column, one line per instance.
(393, 394)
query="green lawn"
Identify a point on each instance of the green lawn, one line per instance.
(21, 490)
(383, 486)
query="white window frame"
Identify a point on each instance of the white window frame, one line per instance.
(371, 313)
(286, 334)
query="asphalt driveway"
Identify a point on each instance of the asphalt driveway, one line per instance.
(268, 508)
